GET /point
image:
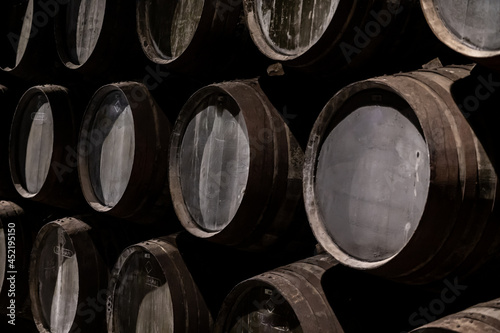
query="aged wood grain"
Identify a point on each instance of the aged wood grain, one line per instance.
(474, 22)
(84, 21)
(40, 142)
(58, 281)
(372, 182)
(111, 161)
(293, 26)
(142, 297)
(214, 163)
(172, 24)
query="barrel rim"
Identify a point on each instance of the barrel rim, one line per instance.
(10, 212)
(60, 40)
(316, 140)
(62, 111)
(447, 37)
(181, 284)
(256, 178)
(108, 41)
(329, 38)
(276, 279)
(186, 57)
(145, 112)
(16, 66)
(77, 232)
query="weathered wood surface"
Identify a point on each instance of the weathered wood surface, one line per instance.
(287, 299)
(58, 281)
(39, 143)
(423, 215)
(473, 22)
(123, 160)
(42, 147)
(292, 27)
(481, 318)
(234, 167)
(469, 27)
(152, 290)
(172, 25)
(142, 301)
(69, 271)
(214, 163)
(111, 160)
(84, 21)
(18, 23)
(371, 182)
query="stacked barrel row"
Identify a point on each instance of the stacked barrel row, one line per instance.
(214, 149)
(178, 283)
(97, 39)
(398, 173)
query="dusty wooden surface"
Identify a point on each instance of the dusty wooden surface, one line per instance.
(214, 163)
(293, 26)
(142, 296)
(58, 281)
(111, 160)
(473, 22)
(172, 24)
(286, 299)
(372, 182)
(84, 21)
(39, 144)
(481, 318)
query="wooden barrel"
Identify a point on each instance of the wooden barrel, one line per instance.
(123, 152)
(93, 36)
(28, 48)
(152, 290)
(469, 28)
(195, 36)
(319, 36)
(287, 299)
(15, 246)
(42, 155)
(484, 317)
(69, 271)
(396, 182)
(7, 190)
(234, 167)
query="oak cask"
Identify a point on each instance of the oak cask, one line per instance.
(397, 182)
(234, 167)
(123, 153)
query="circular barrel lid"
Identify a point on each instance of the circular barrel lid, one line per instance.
(32, 137)
(123, 150)
(142, 300)
(111, 159)
(285, 30)
(82, 25)
(214, 162)
(166, 28)
(59, 282)
(19, 22)
(66, 271)
(152, 290)
(469, 27)
(372, 179)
